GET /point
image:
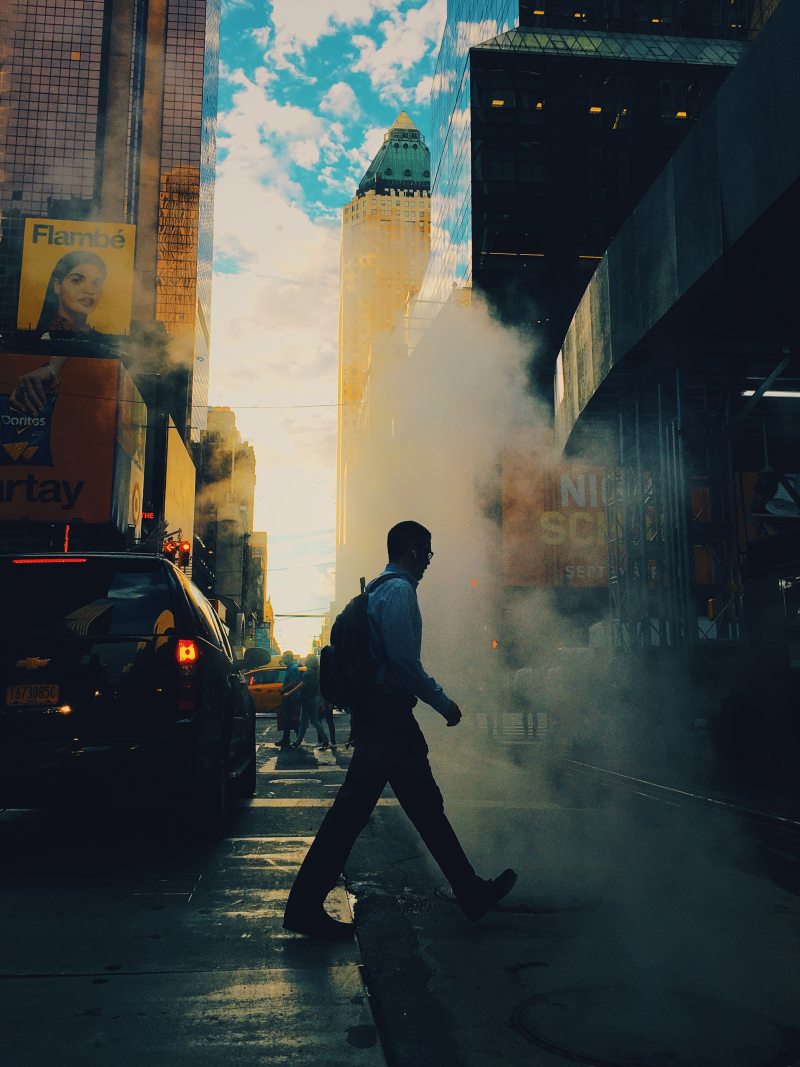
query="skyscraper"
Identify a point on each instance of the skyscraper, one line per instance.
(384, 253)
(234, 552)
(550, 120)
(110, 116)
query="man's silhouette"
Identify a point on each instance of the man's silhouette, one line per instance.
(389, 747)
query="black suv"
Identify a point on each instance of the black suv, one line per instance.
(117, 680)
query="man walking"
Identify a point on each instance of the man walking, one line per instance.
(389, 747)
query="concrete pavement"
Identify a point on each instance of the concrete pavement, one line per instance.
(641, 932)
(122, 947)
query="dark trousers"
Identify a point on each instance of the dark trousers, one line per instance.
(327, 715)
(392, 752)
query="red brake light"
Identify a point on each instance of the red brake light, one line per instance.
(187, 652)
(64, 559)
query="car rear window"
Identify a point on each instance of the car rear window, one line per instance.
(98, 597)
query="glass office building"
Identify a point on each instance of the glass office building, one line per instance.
(52, 111)
(549, 121)
(186, 195)
(110, 116)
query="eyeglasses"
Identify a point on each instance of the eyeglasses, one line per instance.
(429, 554)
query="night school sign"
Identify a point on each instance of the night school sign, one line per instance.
(73, 449)
(554, 524)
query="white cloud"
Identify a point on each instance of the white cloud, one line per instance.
(407, 37)
(468, 34)
(299, 26)
(341, 100)
(333, 180)
(422, 90)
(274, 326)
(257, 125)
(304, 154)
(234, 77)
(268, 115)
(362, 157)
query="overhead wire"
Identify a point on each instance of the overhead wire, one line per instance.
(132, 400)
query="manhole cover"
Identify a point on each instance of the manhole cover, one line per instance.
(639, 1028)
(537, 906)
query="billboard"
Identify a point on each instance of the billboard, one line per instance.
(77, 278)
(554, 524)
(72, 448)
(179, 487)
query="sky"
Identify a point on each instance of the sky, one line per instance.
(307, 90)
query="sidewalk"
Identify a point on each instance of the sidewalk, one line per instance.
(321, 1011)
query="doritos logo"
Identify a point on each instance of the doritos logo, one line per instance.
(25, 439)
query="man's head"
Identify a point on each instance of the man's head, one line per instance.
(287, 659)
(409, 546)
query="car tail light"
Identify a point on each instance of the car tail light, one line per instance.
(187, 652)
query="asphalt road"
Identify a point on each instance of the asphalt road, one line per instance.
(642, 931)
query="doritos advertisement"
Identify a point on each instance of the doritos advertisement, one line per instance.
(77, 278)
(72, 435)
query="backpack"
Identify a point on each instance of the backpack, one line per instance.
(347, 668)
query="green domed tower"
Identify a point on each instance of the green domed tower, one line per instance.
(403, 162)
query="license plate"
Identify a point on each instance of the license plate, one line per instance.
(30, 695)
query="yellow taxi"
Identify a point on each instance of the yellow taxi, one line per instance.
(264, 686)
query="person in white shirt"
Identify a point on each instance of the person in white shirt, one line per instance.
(389, 747)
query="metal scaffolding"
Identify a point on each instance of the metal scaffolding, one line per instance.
(673, 542)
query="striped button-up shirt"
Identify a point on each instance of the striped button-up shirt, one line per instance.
(395, 626)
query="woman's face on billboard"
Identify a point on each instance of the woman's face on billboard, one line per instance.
(80, 291)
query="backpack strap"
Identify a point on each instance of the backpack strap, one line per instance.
(373, 585)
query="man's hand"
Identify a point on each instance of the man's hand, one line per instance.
(453, 714)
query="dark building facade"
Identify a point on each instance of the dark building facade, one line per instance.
(110, 115)
(680, 371)
(550, 120)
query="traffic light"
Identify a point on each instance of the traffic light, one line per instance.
(178, 552)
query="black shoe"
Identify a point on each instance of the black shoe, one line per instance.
(315, 922)
(482, 898)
